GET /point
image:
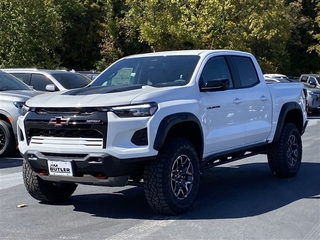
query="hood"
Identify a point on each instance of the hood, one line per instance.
(19, 94)
(107, 96)
(312, 89)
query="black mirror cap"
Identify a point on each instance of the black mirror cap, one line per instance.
(213, 85)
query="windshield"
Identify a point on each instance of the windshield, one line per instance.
(71, 80)
(318, 79)
(157, 71)
(9, 82)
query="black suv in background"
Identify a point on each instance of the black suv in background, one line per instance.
(89, 74)
(312, 85)
(49, 80)
(312, 80)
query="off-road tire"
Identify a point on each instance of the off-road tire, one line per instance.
(284, 156)
(45, 191)
(172, 181)
(7, 139)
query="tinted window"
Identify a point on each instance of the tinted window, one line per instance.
(304, 78)
(39, 82)
(157, 71)
(9, 82)
(215, 69)
(246, 70)
(19, 75)
(71, 80)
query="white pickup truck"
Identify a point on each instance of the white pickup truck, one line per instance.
(159, 119)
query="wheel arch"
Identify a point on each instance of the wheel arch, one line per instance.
(185, 125)
(4, 118)
(290, 112)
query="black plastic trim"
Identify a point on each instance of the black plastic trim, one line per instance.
(110, 165)
(282, 117)
(168, 122)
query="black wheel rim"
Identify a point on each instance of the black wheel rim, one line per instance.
(292, 151)
(182, 177)
(2, 139)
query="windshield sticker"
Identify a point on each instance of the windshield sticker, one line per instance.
(123, 77)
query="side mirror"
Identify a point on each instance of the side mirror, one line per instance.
(313, 82)
(50, 88)
(215, 85)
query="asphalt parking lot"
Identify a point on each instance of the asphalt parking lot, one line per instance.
(239, 200)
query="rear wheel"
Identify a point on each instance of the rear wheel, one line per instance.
(7, 139)
(172, 181)
(45, 191)
(284, 156)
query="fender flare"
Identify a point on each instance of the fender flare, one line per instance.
(168, 122)
(282, 117)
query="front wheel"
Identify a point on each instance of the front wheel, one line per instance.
(172, 181)
(45, 191)
(284, 156)
(7, 139)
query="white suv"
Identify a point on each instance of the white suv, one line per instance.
(49, 80)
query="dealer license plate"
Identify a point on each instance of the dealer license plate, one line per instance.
(60, 168)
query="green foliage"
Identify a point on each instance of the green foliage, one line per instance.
(29, 33)
(259, 26)
(82, 27)
(90, 34)
(316, 31)
(119, 38)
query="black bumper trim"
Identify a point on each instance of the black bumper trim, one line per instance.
(91, 164)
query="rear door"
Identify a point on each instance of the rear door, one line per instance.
(257, 101)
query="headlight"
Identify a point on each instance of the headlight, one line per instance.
(18, 104)
(140, 110)
(24, 110)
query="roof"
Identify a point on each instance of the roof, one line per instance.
(199, 52)
(28, 70)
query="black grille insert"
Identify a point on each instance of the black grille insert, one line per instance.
(68, 133)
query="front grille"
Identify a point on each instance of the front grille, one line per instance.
(44, 123)
(70, 133)
(74, 111)
(64, 155)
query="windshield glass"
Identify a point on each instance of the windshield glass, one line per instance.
(318, 79)
(9, 82)
(71, 80)
(157, 71)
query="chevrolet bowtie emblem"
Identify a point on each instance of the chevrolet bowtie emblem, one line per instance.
(59, 121)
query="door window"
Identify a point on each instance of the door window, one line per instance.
(216, 69)
(39, 82)
(246, 70)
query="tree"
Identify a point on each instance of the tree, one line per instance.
(259, 26)
(30, 31)
(82, 29)
(302, 58)
(119, 37)
(316, 31)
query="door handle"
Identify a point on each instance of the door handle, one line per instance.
(263, 98)
(237, 101)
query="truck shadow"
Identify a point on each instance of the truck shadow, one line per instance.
(14, 160)
(225, 192)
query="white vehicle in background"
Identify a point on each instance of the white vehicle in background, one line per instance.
(13, 95)
(49, 80)
(276, 76)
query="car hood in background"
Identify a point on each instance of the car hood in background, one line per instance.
(25, 94)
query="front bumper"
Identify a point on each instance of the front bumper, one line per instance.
(98, 169)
